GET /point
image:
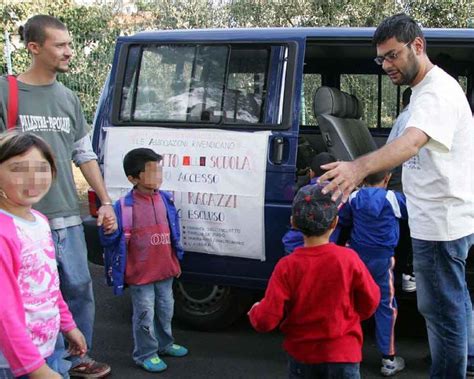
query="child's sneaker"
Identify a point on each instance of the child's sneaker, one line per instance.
(390, 367)
(408, 283)
(154, 364)
(176, 351)
(90, 368)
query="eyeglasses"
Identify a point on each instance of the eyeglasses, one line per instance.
(389, 57)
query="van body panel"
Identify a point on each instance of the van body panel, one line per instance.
(299, 61)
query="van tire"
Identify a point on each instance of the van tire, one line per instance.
(207, 306)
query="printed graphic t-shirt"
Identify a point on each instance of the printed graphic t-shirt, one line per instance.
(54, 113)
(30, 276)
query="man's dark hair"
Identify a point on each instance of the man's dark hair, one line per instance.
(14, 143)
(35, 28)
(136, 159)
(400, 26)
(319, 160)
(406, 97)
(375, 178)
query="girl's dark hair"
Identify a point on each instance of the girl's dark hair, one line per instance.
(136, 159)
(400, 26)
(14, 143)
(35, 28)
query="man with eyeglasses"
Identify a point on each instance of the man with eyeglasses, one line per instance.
(438, 181)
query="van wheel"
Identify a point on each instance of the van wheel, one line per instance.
(207, 306)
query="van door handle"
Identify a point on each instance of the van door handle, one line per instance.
(278, 144)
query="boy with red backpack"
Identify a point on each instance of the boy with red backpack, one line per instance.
(143, 253)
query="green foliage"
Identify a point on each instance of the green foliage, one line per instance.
(93, 32)
(95, 28)
(441, 14)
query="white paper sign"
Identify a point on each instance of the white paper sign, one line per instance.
(218, 181)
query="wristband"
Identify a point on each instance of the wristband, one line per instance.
(107, 203)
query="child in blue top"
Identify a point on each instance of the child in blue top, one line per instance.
(143, 254)
(373, 214)
(294, 238)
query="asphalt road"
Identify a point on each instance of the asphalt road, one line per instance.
(238, 352)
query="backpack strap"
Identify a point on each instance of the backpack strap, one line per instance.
(12, 110)
(127, 219)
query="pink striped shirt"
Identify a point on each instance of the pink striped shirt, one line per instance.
(32, 309)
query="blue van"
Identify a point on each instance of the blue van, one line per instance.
(238, 115)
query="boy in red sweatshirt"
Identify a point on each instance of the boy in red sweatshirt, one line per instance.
(318, 296)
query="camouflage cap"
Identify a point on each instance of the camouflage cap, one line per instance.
(313, 211)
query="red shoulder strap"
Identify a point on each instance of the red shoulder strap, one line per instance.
(127, 219)
(12, 110)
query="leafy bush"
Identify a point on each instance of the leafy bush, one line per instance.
(95, 28)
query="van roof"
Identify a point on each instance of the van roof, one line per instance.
(263, 34)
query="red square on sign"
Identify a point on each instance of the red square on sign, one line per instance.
(186, 160)
(202, 161)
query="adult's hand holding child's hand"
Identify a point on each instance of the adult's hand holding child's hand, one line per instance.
(106, 218)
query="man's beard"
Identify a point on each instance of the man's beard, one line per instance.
(408, 76)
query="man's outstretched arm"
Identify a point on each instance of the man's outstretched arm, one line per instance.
(345, 176)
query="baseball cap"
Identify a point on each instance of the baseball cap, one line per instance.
(313, 211)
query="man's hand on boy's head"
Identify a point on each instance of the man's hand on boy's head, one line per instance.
(343, 177)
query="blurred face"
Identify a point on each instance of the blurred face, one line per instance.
(151, 178)
(56, 51)
(399, 60)
(25, 179)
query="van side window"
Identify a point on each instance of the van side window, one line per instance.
(369, 89)
(311, 82)
(211, 84)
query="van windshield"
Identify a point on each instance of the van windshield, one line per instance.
(197, 83)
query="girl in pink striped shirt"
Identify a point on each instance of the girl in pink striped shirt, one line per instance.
(32, 310)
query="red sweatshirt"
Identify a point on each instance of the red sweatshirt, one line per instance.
(318, 296)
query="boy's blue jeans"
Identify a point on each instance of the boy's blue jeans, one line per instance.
(445, 303)
(153, 306)
(297, 370)
(75, 278)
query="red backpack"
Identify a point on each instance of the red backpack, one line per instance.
(127, 220)
(12, 107)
